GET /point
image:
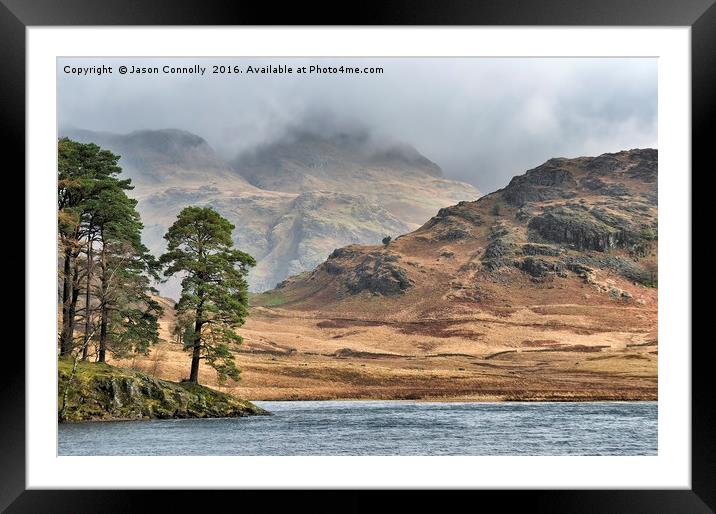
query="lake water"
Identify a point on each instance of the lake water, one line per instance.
(384, 428)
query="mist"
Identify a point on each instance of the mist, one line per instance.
(483, 120)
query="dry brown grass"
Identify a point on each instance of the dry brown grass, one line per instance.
(525, 356)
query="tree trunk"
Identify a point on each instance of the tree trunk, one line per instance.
(103, 334)
(88, 300)
(196, 353)
(67, 322)
(196, 350)
(103, 308)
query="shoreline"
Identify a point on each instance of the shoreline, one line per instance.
(460, 400)
(358, 400)
(507, 397)
(125, 420)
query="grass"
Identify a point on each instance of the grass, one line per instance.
(271, 299)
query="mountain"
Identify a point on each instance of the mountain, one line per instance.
(546, 289)
(395, 176)
(292, 201)
(154, 159)
(563, 223)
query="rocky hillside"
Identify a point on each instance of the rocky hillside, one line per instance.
(293, 202)
(102, 392)
(396, 177)
(581, 230)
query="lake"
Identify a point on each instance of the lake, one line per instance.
(384, 428)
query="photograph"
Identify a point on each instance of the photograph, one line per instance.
(424, 249)
(357, 256)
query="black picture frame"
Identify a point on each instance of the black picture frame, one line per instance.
(700, 15)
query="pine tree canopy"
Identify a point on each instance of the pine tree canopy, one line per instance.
(214, 287)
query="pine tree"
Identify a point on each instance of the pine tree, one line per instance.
(83, 171)
(97, 218)
(127, 313)
(214, 288)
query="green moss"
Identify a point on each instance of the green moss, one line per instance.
(102, 392)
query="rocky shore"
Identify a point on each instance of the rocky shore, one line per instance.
(99, 392)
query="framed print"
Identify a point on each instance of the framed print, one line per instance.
(438, 248)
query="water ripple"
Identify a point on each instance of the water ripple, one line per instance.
(384, 428)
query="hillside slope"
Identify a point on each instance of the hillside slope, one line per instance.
(545, 289)
(563, 225)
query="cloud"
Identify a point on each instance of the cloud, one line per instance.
(482, 120)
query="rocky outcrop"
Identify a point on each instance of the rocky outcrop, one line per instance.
(313, 224)
(335, 263)
(546, 182)
(637, 163)
(452, 234)
(454, 223)
(580, 270)
(378, 273)
(646, 168)
(575, 227)
(541, 268)
(627, 268)
(463, 210)
(604, 175)
(605, 164)
(537, 249)
(98, 391)
(592, 229)
(598, 186)
(500, 250)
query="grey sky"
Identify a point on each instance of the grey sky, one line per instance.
(482, 120)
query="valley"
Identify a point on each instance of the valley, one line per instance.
(285, 357)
